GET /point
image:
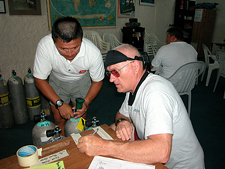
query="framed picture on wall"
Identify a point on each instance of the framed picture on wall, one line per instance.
(2, 6)
(89, 13)
(147, 2)
(126, 9)
(24, 7)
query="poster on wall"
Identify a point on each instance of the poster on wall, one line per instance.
(198, 15)
(24, 7)
(90, 13)
(126, 8)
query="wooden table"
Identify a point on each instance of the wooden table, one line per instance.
(75, 160)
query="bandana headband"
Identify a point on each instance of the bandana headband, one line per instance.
(114, 57)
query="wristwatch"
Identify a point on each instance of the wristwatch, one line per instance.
(119, 120)
(58, 103)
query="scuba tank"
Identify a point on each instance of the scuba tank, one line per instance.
(39, 130)
(6, 113)
(32, 96)
(17, 97)
(45, 105)
(71, 124)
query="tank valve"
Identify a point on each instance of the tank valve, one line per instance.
(29, 70)
(54, 132)
(94, 122)
(40, 117)
(79, 103)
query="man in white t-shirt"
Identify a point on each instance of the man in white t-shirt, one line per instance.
(75, 66)
(175, 54)
(153, 110)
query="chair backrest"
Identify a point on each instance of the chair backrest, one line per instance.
(208, 54)
(184, 78)
(111, 39)
(93, 36)
(221, 54)
(152, 44)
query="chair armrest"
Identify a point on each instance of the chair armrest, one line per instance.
(214, 57)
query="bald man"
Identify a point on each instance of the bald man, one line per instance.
(153, 110)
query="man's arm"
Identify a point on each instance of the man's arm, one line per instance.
(46, 89)
(93, 91)
(156, 149)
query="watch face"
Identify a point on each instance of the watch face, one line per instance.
(59, 103)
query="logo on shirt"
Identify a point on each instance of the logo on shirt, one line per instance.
(137, 111)
(82, 71)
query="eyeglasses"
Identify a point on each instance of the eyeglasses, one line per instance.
(67, 49)
(116, 72)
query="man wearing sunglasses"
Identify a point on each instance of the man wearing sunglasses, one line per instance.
(153, 110)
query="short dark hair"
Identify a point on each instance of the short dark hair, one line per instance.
(67, 29)
(177, 32)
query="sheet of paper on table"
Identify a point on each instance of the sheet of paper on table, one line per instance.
(109, 163)
(100, 132)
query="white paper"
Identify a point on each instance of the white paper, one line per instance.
(198, 15)
(51, 158)
(75, 137)
(102, 133)
(110, 163)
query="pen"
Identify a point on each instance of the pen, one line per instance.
(95, 132)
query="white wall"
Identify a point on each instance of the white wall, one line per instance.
(19, 37)
(219, 29)
(21, 33)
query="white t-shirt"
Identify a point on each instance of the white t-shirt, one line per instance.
(158, 109)
(48, 59)
(173, 56)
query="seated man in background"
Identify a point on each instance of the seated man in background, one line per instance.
(153, 110)
(175, 54)
(75, 66)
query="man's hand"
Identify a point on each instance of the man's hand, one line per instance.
(81, 112)
(91, 145)
(124, 130)
(66, 111)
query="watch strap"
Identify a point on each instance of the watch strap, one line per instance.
(119, 120)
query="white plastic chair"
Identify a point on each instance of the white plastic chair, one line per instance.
(152, 44)
(111, 39)
(221, 72)
(210, 66)
(93, 36)
(185, 77)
